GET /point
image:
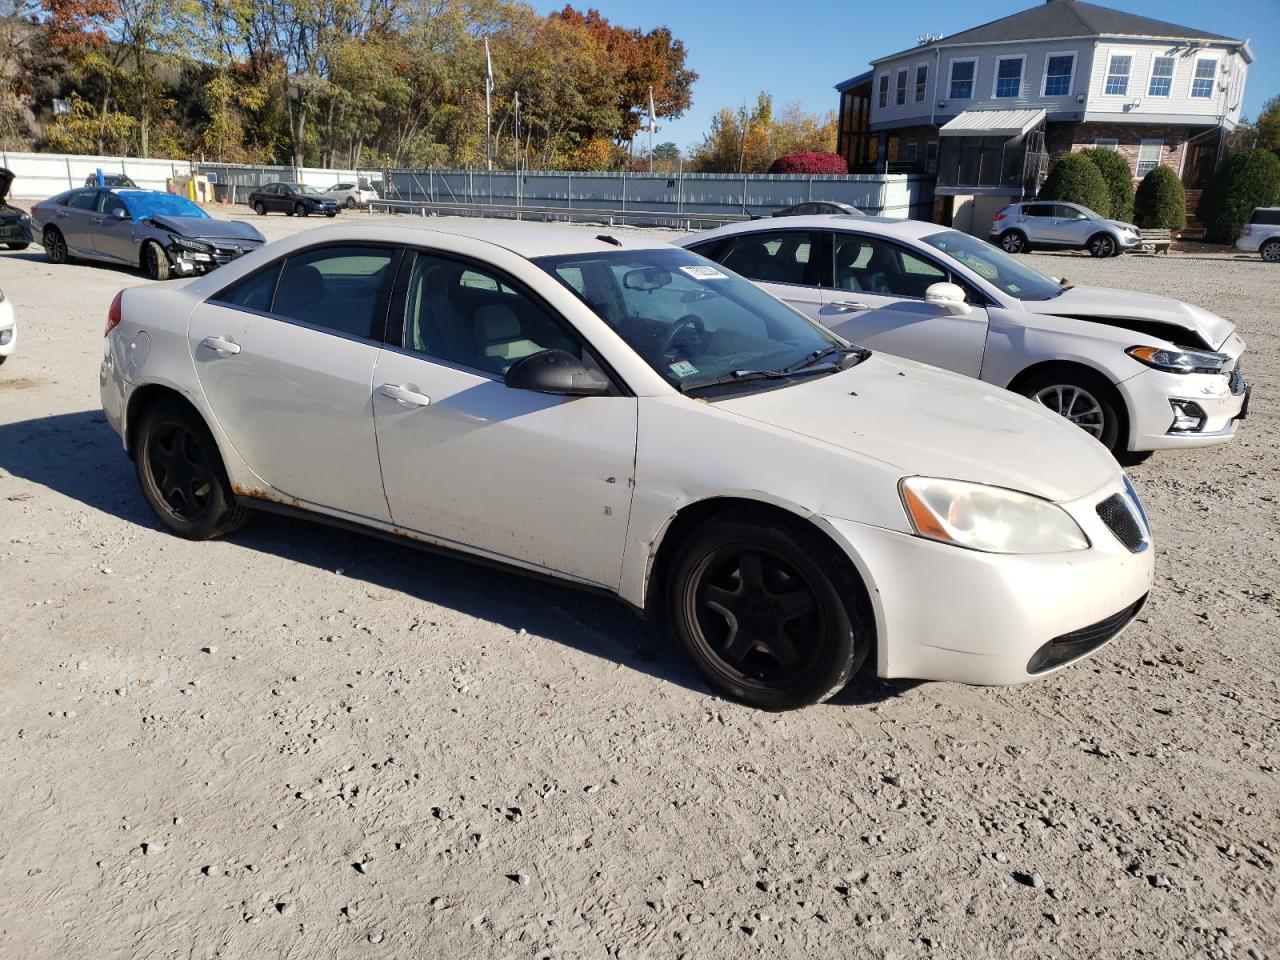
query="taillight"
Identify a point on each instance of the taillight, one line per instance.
(1248, 232)
(113, 315)
(1000, 216)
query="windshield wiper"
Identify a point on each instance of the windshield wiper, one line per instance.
(860, 352)
(794, 370)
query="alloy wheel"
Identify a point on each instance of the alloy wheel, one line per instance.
(1077, 405)
(182, 475)
(55, 247)
(1271, 252)
(1102, 247)
(1012, 242)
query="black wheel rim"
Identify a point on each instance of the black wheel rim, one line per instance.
(756, 616)
(1102, 247)
(180, 471)
(57, 248)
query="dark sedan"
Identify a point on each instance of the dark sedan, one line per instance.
(111, 180)
(15, 224)
(163, 233)
(294, 199)
(814, 208)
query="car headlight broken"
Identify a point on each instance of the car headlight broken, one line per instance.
(990, 519)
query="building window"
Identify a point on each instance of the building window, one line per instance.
(922, 81)
(902, 87)
(1118, 70)
(962, 72)
(1206, 72)
(910, 153)
(1149, 156)
(1008, 77)
(1106, 143)
(1161, 76)
(1059, 71)
(931, 156)
(884, 90)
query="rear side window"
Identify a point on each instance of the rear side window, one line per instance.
(1270, 217)
(335, 288)
(782, 257)
(1038, 210)
(254, 292)
(83, 199)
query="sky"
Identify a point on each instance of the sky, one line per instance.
(799, 50)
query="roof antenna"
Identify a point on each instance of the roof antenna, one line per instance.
(605, 238)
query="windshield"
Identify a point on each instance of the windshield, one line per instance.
(690, 320)
(995, 266)
(304, 189)
(144, 205)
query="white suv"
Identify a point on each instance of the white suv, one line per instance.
(1062, 226)
(1262, 234)
(352, 195)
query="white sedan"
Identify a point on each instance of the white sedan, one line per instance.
(8, 328)
(1135, 371)
(351, 194)
(625, 416)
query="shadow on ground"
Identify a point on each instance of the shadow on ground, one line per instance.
(79, 456)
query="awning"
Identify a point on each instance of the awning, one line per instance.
(992, 123)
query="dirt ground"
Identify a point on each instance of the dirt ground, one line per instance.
(297, 743)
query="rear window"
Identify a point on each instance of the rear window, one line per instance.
(1266, 215)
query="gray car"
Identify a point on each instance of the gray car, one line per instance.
(1054, 225)
(164, 234)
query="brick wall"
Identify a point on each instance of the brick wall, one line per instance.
(1062, 138)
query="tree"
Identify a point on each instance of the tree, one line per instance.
(748, 141)
(1267, 127)
(1161, 201)
(1249, 178)
(1074, 179)
(809, 161)
(1116, 171)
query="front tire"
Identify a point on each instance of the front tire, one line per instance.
(1086, 399)
(181, 474)
(351, 203)
(1103, 245)
(299, 210)
(55, 246)
(155, 262)
(767, 612)
(1013, 241)
(1270, 251)
(17, 246)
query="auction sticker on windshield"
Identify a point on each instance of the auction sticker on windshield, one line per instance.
(700, 272)
(683, 368)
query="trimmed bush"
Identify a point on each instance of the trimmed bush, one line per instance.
(1074, 179)
(1115, 169)
(809, 161)
(1161, 202)
(1249, 178)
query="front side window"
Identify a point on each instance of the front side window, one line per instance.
(922, 81)
(691, 321)
(874, 265)
(1008, 77)
(902, 87)
(1149, 153)
(884, 90)
(336, 288)
(782, 257)
(1161, 77)
(962, 72)
(1202, 83)
(995, 266)
(1118, 69)
(1058, 71)
(109, 203)
(467, 316)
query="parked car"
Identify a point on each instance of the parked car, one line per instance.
(111, 180)
(352, 195)
(292, 199)
(8, 329)
(1135, 371)
(1262, 234)
(1042, 224)
(626, 416)
(15, 223)
(162, 233)
(813, 207)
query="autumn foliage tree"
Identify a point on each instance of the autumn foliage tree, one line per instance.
(748, 140)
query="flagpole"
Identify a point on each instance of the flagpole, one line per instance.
(488, 107)
(652, 123)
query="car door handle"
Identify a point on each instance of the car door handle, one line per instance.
(95, 220)
(848, 306)
(221, 344)
(402, 394)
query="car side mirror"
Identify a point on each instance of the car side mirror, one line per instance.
(120, 213)
(949, 296)
(558, 372)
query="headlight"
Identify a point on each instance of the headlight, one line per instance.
(1180, 361)
(991, 519)
(185, 243)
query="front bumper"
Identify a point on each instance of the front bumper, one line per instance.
(187, 262)
(947, 613)
(15, 231)
(1150, 398)
(8, 330)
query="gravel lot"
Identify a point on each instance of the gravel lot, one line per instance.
(298, 743)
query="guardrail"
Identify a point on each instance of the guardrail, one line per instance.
(650, 218)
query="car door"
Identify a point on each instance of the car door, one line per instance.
(876, 298)
(539, 479)
(113, 235)
(74, 220)
(1072, 226)
(1038, 222)
(783, 262)
(285, 358)
(278, 198)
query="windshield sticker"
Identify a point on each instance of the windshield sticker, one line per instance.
(700, 272)
(683, 368)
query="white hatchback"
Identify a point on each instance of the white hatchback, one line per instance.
(1135, 371)
(628, 417)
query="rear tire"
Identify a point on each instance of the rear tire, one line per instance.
(767, 610)
(1103, 245)
(55, 246)
(260, 208)
(1270, 251)
(1086, 399)
(181, 474)
(155, 262)
(1014, 241)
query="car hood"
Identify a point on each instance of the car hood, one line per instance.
(1141, 312)
(928, 422)
(209, 228)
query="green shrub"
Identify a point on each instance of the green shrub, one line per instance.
(1161, 202)
(1115, 169)
(1074, 179)
(1249, 178)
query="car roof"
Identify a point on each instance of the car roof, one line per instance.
(886, 226)
(532, 240)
